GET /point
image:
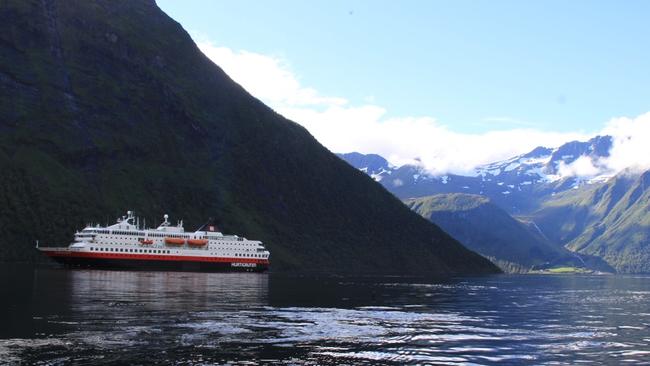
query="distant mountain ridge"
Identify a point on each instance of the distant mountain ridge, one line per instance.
(372, 164)
(509, 183)
(604, 216)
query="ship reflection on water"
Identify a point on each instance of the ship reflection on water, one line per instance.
(56, 316)
(143, 292)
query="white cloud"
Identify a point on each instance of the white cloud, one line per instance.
(366, 129)
(581, 167)
(631, 142)
(267, 78)
(344, 127)
(630, 150)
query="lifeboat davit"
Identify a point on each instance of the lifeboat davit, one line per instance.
(197, 242)
(146, 241)
(174, 241)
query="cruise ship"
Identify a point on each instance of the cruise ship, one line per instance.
(126, 245)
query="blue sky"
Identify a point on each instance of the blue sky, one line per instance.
(564, 68)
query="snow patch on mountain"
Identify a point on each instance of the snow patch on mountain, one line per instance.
(543, 170)
(379, 175)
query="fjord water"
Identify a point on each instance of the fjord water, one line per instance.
(57, 316)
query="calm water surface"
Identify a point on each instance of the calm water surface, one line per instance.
(56, 316)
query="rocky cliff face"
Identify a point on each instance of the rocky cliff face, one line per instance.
(109, 105)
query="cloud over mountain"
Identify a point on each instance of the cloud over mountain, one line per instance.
(342, 125)
(631, 143)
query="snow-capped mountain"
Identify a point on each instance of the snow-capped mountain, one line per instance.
(602, 218)
(372, 164)
(512, 183)
(545, 165)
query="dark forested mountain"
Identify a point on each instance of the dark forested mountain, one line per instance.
(109, 105)
(514, 245)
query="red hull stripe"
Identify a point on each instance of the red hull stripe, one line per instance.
(156, 257)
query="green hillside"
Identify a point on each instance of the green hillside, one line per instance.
(610, 220)
(484, 227)
(565, 216)
(109, 105)
(622, 235)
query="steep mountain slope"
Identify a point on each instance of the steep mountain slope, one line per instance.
(567, 215)
(611, 221)
(482, 226)
(109, 105)
(622, 238)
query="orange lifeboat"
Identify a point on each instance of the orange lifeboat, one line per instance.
(197, 242)
(146, 241)
(174, 241)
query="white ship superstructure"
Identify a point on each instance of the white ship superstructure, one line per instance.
(127, 244)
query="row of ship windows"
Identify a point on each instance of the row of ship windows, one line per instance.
(130, 233)
(171, 236)
(123, 250)
(125, 233)
(157, 235)
(248, 255)
(156, 251)
(131, 244)
(185, 248)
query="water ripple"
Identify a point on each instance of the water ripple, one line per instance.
(161, 318)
